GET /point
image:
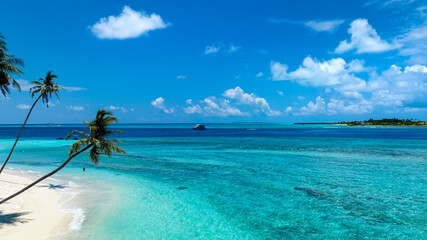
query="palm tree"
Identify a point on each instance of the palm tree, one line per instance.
(8, 66)
(45, 86)
(95, 140)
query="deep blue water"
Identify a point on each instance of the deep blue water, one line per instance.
(225, 130)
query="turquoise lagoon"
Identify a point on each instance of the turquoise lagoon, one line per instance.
(240, 182)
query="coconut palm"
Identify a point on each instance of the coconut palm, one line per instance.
(8, 65)
(45, 87)
(95, 140)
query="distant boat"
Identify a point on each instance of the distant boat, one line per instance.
(199, 127)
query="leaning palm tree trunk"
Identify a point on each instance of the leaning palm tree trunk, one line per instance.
(19, 135)
(45, 176)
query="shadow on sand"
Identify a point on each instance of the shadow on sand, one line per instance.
(53, 186)
(12, 218)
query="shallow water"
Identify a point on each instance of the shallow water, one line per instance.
(278, 183)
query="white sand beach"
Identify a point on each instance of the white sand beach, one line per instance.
(34, 214)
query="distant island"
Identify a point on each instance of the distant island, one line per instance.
(387, 122)
(380, 122)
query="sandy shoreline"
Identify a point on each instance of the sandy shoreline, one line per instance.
(35, 213)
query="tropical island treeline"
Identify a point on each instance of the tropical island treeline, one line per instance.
(387, 122)
(380, 122)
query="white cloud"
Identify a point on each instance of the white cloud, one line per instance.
(159, 103)
(193, 109)
(280, 92)
(314, 108)
(395, 87)
(216, 48)
(76, 108)
(288, 109)
(220, 107)
(334, 73)
(316, 25)
(278, 71)
(324, 26)
(118, 108)
(26, 85)
(73, 89)
(301, 97)
(211, 49)
(181, 77)
(260, 74)
(416, 69)
(233, 48)
(129, 24)
(23, 106)
(364, 39)
(261, 104)
(414, 44)
(213, 107)
(336, 106)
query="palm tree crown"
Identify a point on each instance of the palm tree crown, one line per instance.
(96, 138)
(8, 66)
(46, 86)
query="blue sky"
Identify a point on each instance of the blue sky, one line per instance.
(222, 61)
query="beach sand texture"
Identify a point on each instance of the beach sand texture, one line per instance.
(34, 214)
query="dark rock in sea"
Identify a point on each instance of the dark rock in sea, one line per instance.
(60, 138)
(75, 139)
(199, 127)
(311, 192)
(181, 188)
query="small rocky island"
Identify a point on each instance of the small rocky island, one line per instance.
(199, 127)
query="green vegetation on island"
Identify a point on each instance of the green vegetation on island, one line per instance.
(387, 122)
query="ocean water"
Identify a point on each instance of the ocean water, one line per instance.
(239, 181)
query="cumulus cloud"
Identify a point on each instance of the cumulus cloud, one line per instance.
(364, 39)
(324, 26)
(129, 24)
(193, 109)
(336, 106)
(395, 87)
(116, 108)
(76, 108)
(260, 74)
(159, 103)
(181, 77)
(213, 107)
(313, 108)
(278, 71)
(280, 92)
(261, 104)
(23, 106)
(334, 73)
(220, 107)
